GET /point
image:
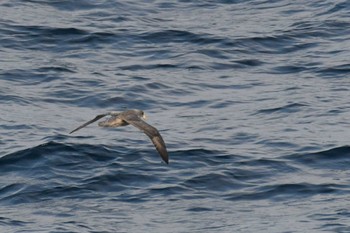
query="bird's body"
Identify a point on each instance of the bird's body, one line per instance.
(113, 121)
(136, 118)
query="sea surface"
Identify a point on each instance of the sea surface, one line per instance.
(251, 97)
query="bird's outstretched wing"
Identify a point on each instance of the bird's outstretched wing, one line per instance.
(150, 131)
(91, 121)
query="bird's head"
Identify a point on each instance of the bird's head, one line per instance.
(140, 114)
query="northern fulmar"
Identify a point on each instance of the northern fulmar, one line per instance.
(133, 117)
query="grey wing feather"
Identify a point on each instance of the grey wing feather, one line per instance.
(91, 121)
(151, 132)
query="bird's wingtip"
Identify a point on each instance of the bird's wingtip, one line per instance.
(166, 158)
(72, 131)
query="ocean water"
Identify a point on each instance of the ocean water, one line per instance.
(251, 98)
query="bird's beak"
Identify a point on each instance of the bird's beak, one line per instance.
(144, 116)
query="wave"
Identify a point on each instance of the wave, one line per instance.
(335, 158)
(287, 191)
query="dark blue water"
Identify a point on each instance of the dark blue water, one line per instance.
(251, 97)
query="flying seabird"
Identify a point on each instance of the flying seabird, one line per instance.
(133, 117)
